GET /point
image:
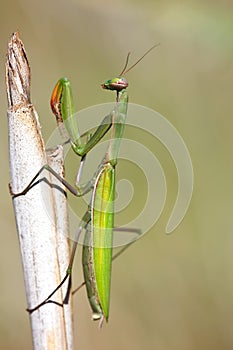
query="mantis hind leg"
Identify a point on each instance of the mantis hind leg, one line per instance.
(83, 225)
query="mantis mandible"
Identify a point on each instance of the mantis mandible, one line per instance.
(98, 221)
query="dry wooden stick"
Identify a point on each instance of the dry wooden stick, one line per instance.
(41, 215)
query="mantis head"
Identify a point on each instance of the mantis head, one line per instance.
(116, 84)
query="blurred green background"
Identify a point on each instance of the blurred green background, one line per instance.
(168, 292)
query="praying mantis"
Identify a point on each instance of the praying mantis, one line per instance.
(98, 221)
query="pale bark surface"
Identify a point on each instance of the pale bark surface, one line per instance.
(41, 215)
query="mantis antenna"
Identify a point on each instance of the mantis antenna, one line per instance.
(124, 71)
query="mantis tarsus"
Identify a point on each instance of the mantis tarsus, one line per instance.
(98, 221)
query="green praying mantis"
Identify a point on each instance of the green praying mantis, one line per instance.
(98, 221)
